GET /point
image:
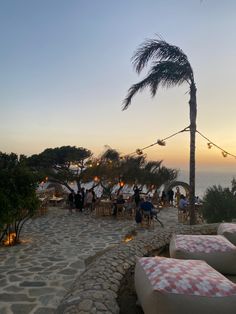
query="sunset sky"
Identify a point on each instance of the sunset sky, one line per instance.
(66, 68)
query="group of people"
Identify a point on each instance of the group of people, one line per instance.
(82, 200)
(143, 206)
(170, 198)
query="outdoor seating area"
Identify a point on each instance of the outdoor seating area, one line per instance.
(194, 278)
(50, 197)
(124, 210)
(117, 159)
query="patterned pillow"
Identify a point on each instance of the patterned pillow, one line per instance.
(216, 250)
(167, 285)
(228, 230)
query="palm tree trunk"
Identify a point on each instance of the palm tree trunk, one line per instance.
(193, 117)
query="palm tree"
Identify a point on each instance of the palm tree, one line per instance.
(170, 67)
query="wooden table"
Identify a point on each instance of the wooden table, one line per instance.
(55, 200)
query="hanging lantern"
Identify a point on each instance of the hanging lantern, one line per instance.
(139, 152)
(161, 142)
(224, 154)
(121, 184)
(96, 179)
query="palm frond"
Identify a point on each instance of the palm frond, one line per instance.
(159, 50)
(168, 74)
(165, 73)
(135, 88)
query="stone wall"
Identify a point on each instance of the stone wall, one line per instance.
(95, 291)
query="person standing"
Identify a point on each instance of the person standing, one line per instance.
(94, 199)
(78, 200)
(89, 201)
(136, 195)
(163, 198)
(177, 196)
(82, 199)
(71, 199)
(170, 197)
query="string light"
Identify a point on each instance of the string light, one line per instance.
(139, 152)
(159, 142)
(210, 144)
(162, 142)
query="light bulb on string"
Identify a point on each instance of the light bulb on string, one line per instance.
(224, 154)
(209, 145)
(161, 142)
(139, 152)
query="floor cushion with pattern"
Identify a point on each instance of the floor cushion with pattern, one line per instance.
(173, 286)
(216, 250)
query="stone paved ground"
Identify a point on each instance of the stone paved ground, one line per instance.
(35, 275)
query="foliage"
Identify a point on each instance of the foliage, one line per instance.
(112, 169)
(219, 204)
(18, 201)
(61, 164)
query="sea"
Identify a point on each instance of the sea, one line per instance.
(206, 179)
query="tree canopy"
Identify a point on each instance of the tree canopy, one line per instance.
(61, 164)
(112, 169)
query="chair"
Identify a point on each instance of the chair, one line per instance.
(120, 210)
(182, 215)
(129, 210)
(103, 209)
(147, 219)
(107, 209)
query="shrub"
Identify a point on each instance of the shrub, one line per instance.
(18, 201)
(219, 204)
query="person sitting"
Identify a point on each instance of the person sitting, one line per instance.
(148, 209)
(129, 206)
(120, 201)
(183, 203)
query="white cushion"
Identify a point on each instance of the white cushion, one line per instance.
(228, 230)
(173, 286)
(216, 250)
